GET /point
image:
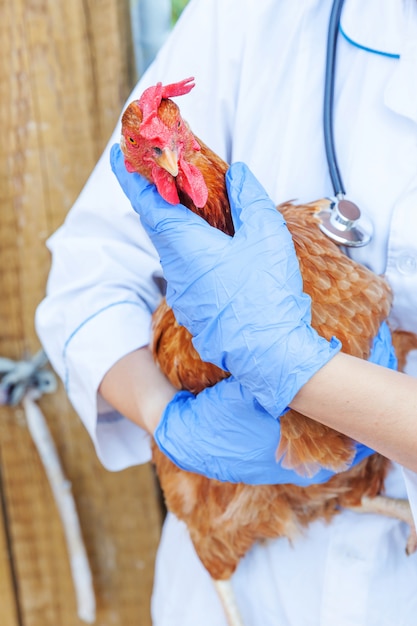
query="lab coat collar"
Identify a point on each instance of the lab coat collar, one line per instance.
(396, 36)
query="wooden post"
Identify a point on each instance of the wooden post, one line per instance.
(65, 71)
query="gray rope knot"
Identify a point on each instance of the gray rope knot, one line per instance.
(17, 377)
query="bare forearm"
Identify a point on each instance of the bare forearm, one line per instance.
(137, 389)
(371, 404)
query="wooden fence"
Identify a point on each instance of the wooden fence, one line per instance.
(65, 71)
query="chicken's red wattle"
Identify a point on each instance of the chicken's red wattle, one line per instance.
(165, 184)
(192, 182)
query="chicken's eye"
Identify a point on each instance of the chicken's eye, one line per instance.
(132, 141)
(157, 151)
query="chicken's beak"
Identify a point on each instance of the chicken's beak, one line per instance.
(169, 161)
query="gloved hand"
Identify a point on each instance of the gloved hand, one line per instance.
(225, 434)
(240, 297)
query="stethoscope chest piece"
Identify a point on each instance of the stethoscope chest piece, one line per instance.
(342, 222)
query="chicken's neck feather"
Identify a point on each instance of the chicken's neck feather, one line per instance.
(217, 210)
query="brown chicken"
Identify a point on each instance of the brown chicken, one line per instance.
(348, 301)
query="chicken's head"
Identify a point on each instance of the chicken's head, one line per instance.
(159, 144)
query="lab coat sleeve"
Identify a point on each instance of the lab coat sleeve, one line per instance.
(105, 278)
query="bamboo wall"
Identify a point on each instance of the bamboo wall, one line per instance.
(65, 72)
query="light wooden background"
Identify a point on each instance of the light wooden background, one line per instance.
(65, 71)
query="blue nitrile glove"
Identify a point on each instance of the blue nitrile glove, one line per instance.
(383, 352)
(240, 297)
(225, 434)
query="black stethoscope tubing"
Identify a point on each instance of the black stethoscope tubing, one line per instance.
(329, 80)
(341, 221)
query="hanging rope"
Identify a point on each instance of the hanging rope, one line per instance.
(24, 382)
(16, 377)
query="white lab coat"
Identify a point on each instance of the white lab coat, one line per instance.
(258, 66)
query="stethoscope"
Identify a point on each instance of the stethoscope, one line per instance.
(342, 221)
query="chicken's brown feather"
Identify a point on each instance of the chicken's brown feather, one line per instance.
(225, 520)
(176, 355)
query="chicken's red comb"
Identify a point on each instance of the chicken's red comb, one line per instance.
(151, 99)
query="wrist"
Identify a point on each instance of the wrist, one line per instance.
(137, 389)
(276, 372)
(152, 406)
